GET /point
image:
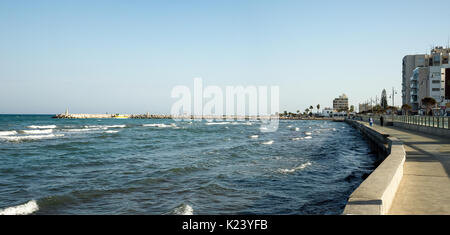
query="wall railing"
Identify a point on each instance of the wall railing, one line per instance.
(429, 121)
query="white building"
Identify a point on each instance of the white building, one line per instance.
(327, 112)
(437, 84)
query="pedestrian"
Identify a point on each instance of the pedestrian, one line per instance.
(381, 121)
(371, 121)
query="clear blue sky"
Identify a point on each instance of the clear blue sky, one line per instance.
(126, 56)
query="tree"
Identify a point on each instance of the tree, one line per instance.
(318, 107)
(378, 109)
(406, 108)
(285, 113)
(393, 108)
(383, 101)
(352, 108)
(428, 102)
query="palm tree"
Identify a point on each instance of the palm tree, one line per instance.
(318, 107)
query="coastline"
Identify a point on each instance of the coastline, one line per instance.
(375, 195)
(166, 116)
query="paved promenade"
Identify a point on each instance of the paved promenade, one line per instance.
(425, 186)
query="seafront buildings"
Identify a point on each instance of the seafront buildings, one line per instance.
(365, 107)
(426, 75)
(340, 107)
(340, 103)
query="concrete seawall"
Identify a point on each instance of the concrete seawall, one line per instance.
(375, 194)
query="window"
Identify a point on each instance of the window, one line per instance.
(436, 89)
(436, 81)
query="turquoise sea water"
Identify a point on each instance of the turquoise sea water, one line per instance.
(142, 166)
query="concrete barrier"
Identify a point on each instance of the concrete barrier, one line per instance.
(375, 194)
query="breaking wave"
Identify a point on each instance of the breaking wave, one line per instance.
(216, 123)
(84, 129)
(183, 209)
(161, 125)
(42, 127)
(3, 133)
(30, 137)
(301, 167)
(111, 131)
(24, 209)
(42, 131)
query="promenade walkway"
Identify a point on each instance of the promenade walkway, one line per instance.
(425, 186)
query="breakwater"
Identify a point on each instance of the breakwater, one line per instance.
(214, 117)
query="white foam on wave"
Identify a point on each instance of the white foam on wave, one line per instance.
(84, 129)
(30, 137)
(183, 209)
(241, 123)
(216, 123)
(301, 167)
(161, 125)
(42, 131)
(24, 209)
(116, 126)
(42, 127)
(254, 136)
(308, 133)
(268, 142)
(4, 133)
(111, 131)
(308, 137)
(96, 127)
(297, 138)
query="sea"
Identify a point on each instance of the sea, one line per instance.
(162, 166)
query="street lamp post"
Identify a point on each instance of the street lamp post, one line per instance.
(393, 102)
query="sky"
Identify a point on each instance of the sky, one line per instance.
(126, 56)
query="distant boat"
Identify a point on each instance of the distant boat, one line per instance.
(120, 116)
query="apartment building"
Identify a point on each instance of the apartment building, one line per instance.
(424, 75)
(340, 103)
